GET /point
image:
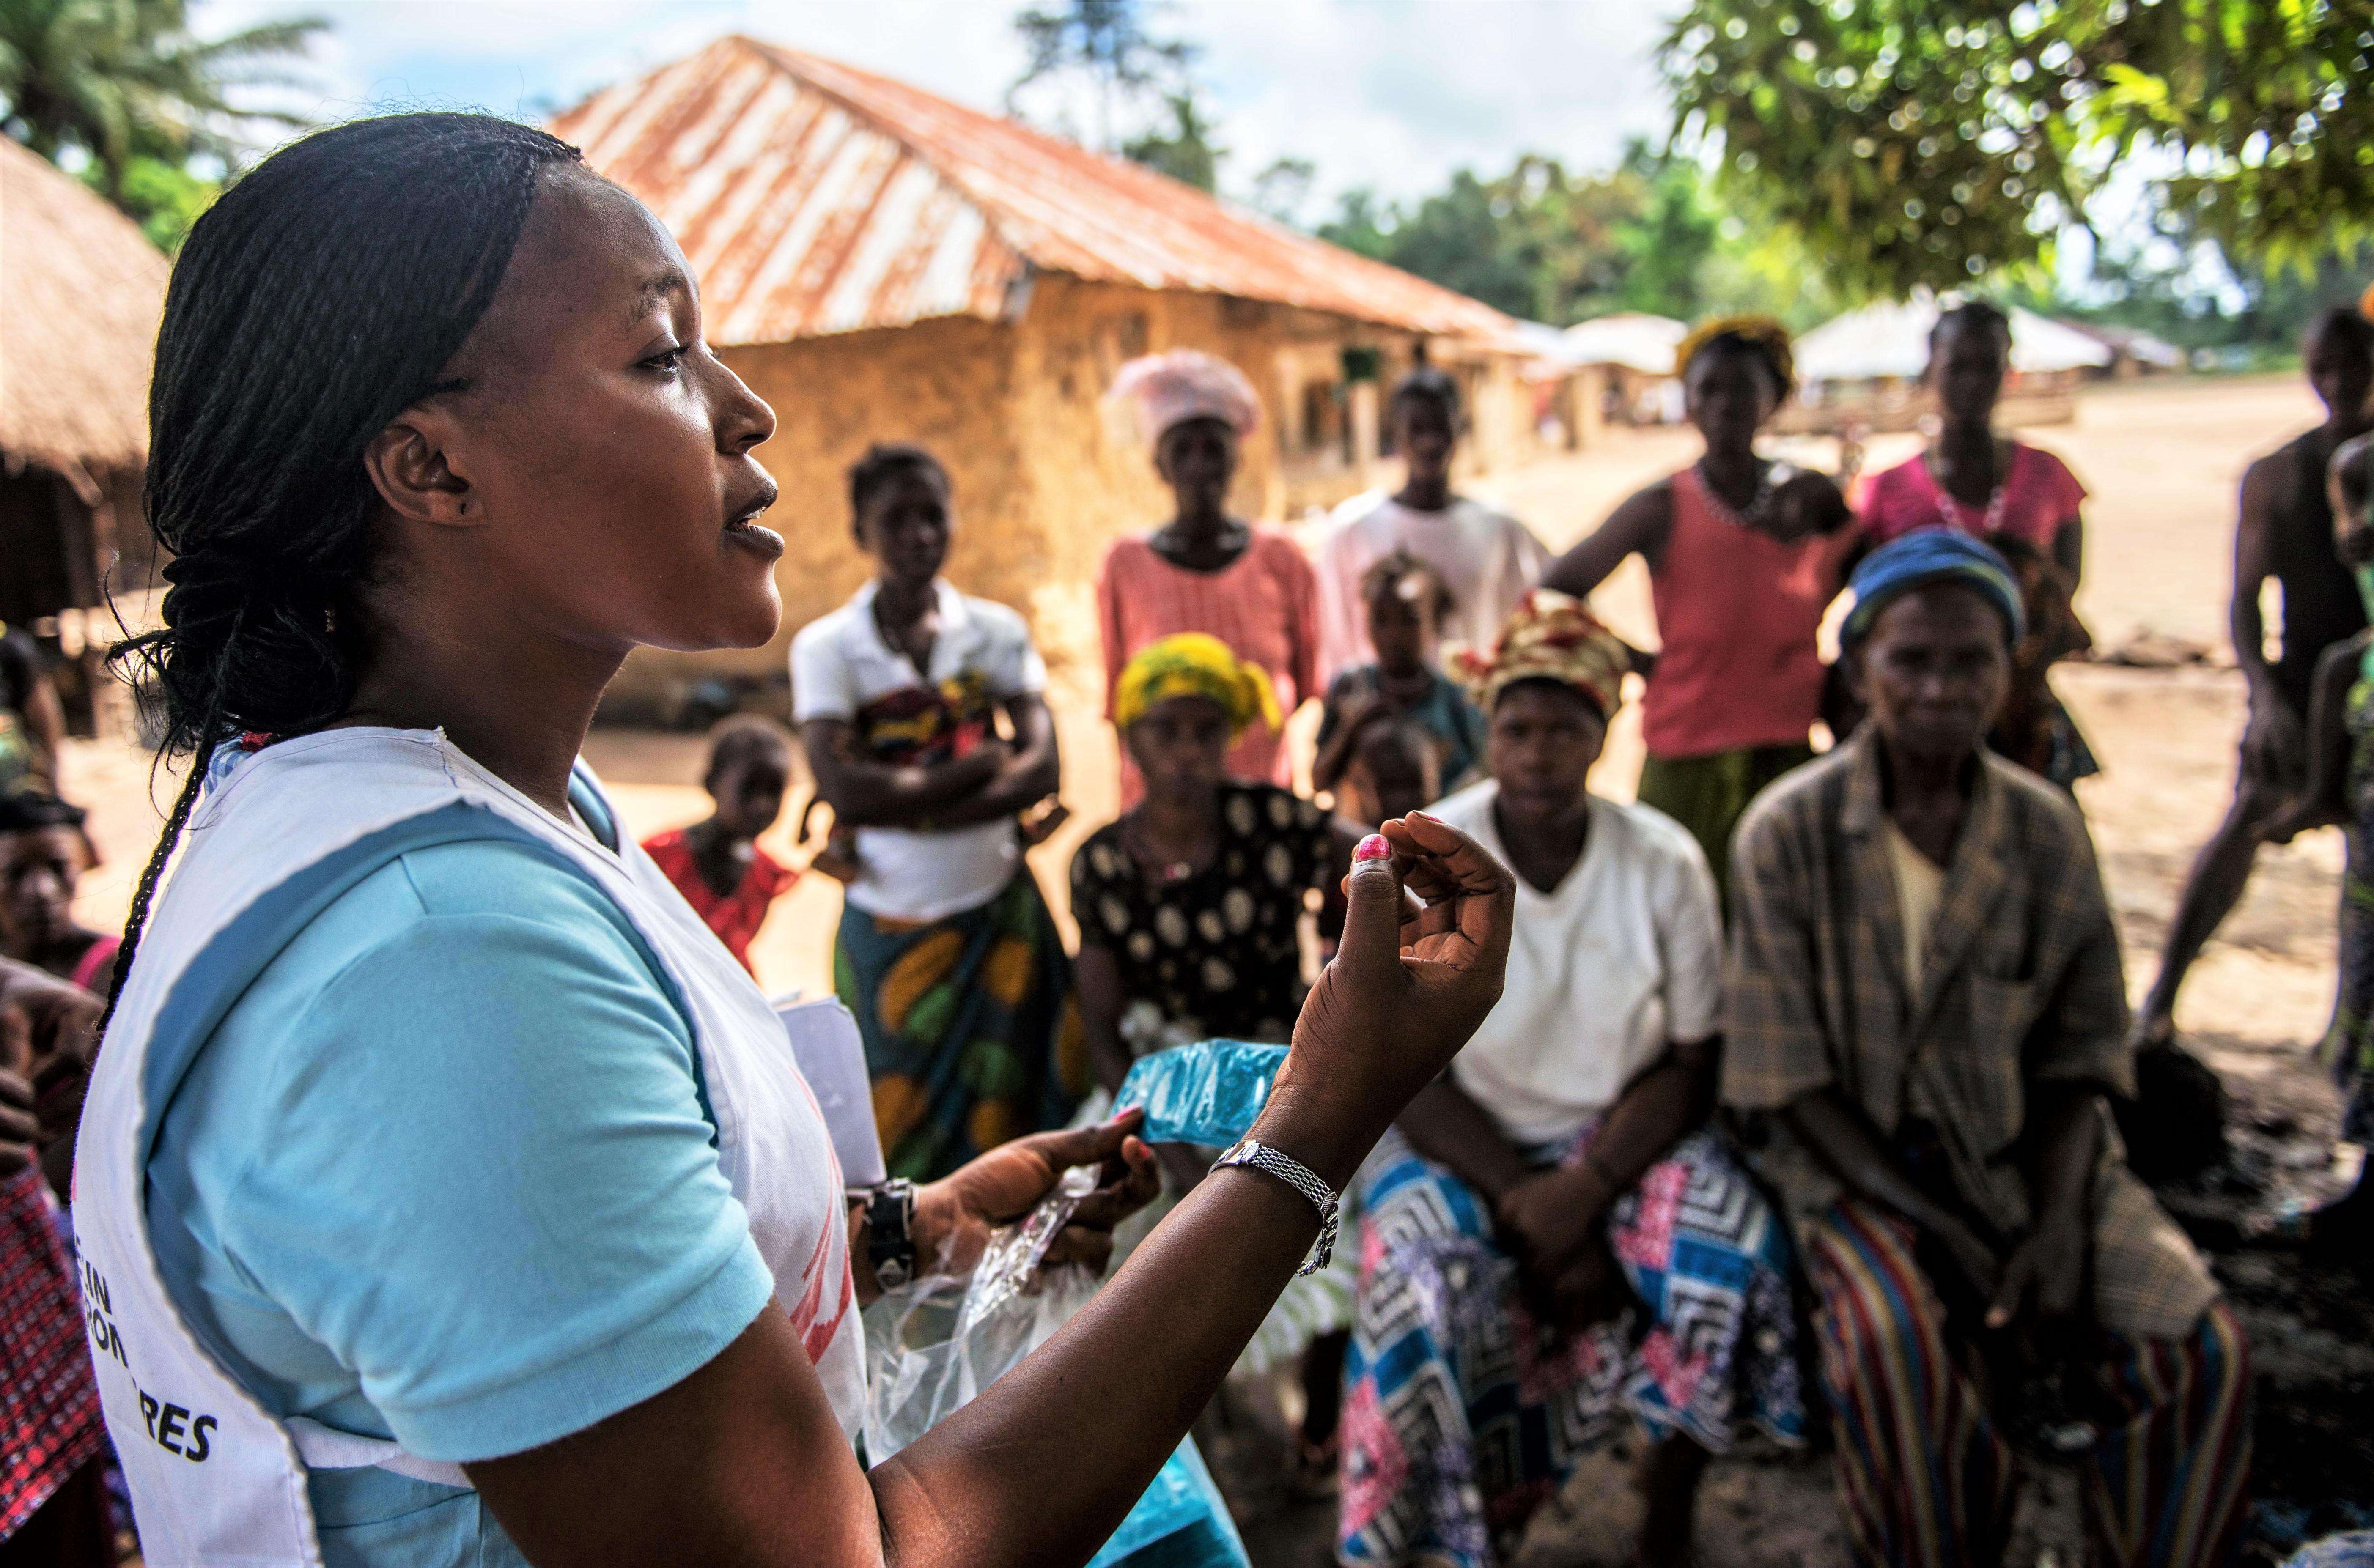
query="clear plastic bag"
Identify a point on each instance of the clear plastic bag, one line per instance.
(932, 1346)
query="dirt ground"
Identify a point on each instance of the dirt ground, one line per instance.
(2162, 460)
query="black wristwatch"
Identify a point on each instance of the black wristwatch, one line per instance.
(890, 1232)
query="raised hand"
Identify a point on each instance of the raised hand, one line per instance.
(1424, 951)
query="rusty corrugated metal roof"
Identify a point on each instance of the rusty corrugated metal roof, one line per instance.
(812, 197)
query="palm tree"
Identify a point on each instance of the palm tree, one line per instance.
(123, 80)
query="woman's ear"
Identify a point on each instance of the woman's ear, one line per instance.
(408, 467)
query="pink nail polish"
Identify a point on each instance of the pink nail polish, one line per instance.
(1372, 848)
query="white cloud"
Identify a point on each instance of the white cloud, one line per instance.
(1390, 94)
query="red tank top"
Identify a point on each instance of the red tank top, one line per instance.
(1736, 611)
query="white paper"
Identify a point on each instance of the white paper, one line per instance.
(832, 1057)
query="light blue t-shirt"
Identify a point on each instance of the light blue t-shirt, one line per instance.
(446, 1174)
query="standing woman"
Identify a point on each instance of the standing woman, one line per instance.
(1205, 571)
(1994, 488)
(445, 1195)
(1744, 554)
(946, 953)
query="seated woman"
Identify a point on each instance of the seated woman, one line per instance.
(1189, 904)
(1190, 910)
(1924, 987)
(946, 953)
(1552, 1239)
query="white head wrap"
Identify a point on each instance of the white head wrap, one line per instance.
(1186, 383)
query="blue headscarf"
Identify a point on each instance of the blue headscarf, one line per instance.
(1924, 557)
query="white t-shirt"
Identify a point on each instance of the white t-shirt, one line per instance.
(841, 666)
(1625, 957)
(1486, 558)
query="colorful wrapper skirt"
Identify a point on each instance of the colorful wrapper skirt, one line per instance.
(2349, 1043)
(971, 1035)
(1462, 1413)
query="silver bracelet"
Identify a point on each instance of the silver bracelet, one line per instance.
(1295, 1173)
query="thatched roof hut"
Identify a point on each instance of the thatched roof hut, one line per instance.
(81, 292)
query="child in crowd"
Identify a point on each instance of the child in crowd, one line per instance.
(924, 720)
(716, 863)
(1486, 558)
(1390, 766)
(1406, 603)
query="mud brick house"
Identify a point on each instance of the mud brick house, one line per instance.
(882, 264)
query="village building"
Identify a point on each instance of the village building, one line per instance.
(880, 264)
(81, 292)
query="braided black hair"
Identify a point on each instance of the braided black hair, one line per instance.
(885, 463)
(322, 295)
(1977, 315)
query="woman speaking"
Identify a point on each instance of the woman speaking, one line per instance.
(445, 1194)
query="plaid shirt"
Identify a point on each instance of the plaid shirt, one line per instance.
(2020, 984)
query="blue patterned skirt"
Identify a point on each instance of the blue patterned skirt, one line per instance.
(1461, 1413)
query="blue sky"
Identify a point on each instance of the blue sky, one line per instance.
(1390, 94)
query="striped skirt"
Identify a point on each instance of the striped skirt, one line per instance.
(1927, 1478)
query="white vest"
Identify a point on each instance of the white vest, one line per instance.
(215, 1477)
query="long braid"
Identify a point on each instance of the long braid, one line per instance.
(136, 923)
(327, 291)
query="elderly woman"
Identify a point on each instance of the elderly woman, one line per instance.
(1924, 987)
(1744, 554)
(1206, 570)
(1553, 1240)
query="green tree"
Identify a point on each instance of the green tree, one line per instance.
(1182, 149)
(124, 84)
(1910, 142)
(1282, 190)
(1111, 44)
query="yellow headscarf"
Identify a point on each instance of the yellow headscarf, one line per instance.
(1194, 664)
(1764, 332)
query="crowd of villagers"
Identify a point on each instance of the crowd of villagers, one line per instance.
(1794, 1113)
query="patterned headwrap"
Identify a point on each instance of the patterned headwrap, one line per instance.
(1550, 636)
(1186, 383)
(1194, 664)
(1763, 333)
(1924, 557)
